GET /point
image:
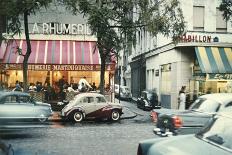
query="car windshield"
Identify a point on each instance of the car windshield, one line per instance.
(205, 105)
(218, 131)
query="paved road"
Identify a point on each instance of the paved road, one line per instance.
(87, 138)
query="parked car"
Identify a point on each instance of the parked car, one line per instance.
(148, 100)
(124, 92)
(170, 121)
(91, 106)
(20, 107)
(214, 138)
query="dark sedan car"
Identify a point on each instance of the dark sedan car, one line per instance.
(148, 100)
(214, 139)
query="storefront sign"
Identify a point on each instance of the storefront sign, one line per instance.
(50, 67)
(13, 66)
(39, 67)
(61, 29)
(196, 38)
(72, 67)
(220, 77)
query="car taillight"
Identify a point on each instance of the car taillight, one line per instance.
(177, 122)
(154, 116)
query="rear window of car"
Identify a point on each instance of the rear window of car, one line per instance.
(101, 100)
(205, 105)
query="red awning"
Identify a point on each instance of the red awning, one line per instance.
(52, 52)
(3, 49)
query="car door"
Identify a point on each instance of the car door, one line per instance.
(88, 105)
(103, 108)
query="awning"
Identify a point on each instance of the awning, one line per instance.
(53, 52)
(3, 49)
(214, 59)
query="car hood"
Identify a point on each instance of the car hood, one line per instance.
(184, 145)
(43, 104)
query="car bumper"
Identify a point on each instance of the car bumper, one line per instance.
(147, 107)
(163, 133)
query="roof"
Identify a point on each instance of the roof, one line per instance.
(89, 94)
(220, 97)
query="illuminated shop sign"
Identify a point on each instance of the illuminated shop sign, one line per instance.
(220, 76)
(61, 29)
(62, 67)
(196, 38)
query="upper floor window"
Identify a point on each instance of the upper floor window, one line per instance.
(221, 24)
(198, 18)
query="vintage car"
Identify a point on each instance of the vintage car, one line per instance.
(91, 106)
(214, 138)
(20, 107)
(124, 92)
(171, 121)
(148, 100)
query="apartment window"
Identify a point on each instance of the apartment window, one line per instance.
(221, 24)
(198, 18)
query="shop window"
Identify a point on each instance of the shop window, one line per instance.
(166, 78)
(221, 24)
(198, 18)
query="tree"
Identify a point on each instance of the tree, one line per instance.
(226, 7)
(115, 22)
(13, 10)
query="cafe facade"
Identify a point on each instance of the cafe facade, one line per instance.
(62, 46)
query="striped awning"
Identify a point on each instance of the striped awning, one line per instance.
(52, 52)
(214, 59)
(3, 49)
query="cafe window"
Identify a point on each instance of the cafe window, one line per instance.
(221, 24)
(198, 18)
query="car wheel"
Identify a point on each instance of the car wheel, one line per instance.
(115, 115)
(78, 116)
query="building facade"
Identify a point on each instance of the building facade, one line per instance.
(62, 46)
(201, 60)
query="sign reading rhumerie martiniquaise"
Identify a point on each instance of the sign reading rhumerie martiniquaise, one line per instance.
(58, 67)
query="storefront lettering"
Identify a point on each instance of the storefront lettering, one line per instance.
(39, 67)
(61, 29)
(50, 67)
(220, 76)
(196, 38)
(72, 67)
